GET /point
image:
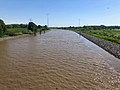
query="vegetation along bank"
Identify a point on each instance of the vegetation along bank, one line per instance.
(107, 38)
(19, 29)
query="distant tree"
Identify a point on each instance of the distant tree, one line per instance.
(39, 26)
(2, 28)
(9, 26)
(33, 27)
(23, 25)
(16, 26)
(46, 27)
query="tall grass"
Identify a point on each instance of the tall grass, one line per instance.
(111, 35)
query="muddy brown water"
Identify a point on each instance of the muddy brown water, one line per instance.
(57, 60)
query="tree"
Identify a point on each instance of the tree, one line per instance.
(33, 27)
(2, 28)
(39, 26)
(46, 27)
(23, 25)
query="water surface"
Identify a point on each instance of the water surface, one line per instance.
(56, 60)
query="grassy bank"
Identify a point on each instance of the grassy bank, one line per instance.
(111, 35)
(109, 40)
(19, 31)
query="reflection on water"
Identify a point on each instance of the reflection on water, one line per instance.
(57, 60)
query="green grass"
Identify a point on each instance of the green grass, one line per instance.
(111, 35)
(17, 31)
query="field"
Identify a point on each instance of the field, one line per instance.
(111, 35)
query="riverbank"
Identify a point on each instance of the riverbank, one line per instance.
(112, 48)
(19, 36)
(13, 37)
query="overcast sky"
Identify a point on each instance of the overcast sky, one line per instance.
(61, 12)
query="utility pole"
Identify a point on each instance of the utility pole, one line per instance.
(79, 22)
(48, 19)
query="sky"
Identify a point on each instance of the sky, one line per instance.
(61, 12)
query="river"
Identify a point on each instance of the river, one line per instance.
(57, 60)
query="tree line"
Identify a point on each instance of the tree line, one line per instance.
(101, 27)
(31, 26)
